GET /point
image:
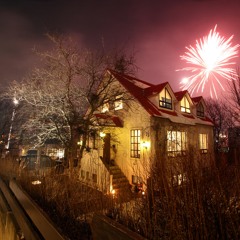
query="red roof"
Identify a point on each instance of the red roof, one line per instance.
(155, 89)
(130, 84)
(197, 99)
(142, 90)
(179, 95)
(109, 120)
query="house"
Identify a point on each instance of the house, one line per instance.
(157, 125)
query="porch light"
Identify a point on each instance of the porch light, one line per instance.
(113, 192)
(79, 143)
(146, 144)
(36, 182)
(102, 134)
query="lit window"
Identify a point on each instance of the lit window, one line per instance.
(203, 142)
(179, 179)
(176, 143)
(118, 104)
(136, 179)
(135, 143)
(165, 99)
(105, 107)
(185, 105)
(200, 110)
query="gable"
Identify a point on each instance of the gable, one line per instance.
(150, 97)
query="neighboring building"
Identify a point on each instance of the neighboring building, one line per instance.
(157, 126)
(51, 148)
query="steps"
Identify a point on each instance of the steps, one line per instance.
(119, 182)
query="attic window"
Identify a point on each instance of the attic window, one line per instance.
(185, 105)
(118, 104)
(165, 99)
(105, 107)
(200, 110)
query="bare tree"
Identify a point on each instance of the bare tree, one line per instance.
(222, 119)
(61, 97)
(234, 98)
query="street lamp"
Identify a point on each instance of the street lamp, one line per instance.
(15, 103)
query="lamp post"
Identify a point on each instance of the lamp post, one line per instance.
(15, 103)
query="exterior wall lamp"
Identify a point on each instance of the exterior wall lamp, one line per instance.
(102, 134)
(146, 144)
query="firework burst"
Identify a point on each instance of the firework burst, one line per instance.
(211, 61)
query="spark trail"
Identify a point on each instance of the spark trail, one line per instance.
(210, 62)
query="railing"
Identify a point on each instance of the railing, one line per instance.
(31, 220)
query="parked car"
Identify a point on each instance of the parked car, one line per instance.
(29, 162)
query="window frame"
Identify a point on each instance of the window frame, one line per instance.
(183, 105)
(179, 179)
(200, 110)
(105, 107)
(87, 175)
(177, 143)
(94, 177)
(164, 101)
(136, 179)
(203, 143)
(118, 103)
(135, 143)
(83, 175)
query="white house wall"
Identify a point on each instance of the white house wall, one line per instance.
(135, 118)
(92, 164)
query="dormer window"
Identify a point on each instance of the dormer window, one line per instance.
(200, 110)
(185, 105)
(165, 99)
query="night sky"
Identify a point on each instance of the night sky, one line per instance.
(158, 31)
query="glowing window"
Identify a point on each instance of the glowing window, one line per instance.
(136, 179)
(179, 179)
(135, 143)
(200, 110)
(165, 99)
(176, 143)
(185, 105)
(118, 104)
(105, 107)
(203, 142)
